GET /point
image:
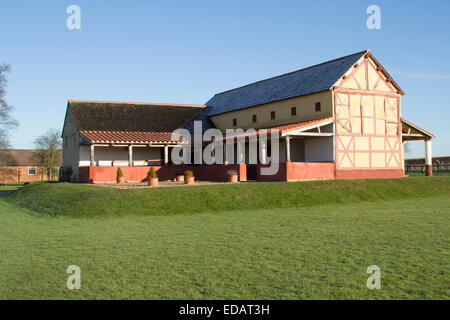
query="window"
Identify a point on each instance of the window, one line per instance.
(234, 122)
(293, 111)
(254, 118)
(32, 171)
(318, 107)
(272, 115)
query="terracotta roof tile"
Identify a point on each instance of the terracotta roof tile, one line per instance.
(129, 137)
(18, 157)
(286, 127)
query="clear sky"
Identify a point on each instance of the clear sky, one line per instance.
(186, 51)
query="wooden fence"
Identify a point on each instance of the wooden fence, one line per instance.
(421, 168)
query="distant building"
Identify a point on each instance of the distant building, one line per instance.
(20, 165)
(338, 119)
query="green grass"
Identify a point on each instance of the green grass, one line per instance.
(87, 201)
(313, 248)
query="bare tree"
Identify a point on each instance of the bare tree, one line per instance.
(6, 123)
(407, 148)
(48, 152)
(6, 160)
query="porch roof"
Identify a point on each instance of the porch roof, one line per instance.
(412, 131)
(283, 129)
(129, 137)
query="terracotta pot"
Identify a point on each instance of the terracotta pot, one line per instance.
(180, 178)
(189, 180)
(153, 182)
(121, 180)
(233, 178)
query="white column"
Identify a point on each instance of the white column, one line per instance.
(428, 155)
(264, 153)
(288, 148)
(240, 149)
(130, 155)
(92, 156)
(428, 158)
(166, 154)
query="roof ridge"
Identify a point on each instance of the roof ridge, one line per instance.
(303, 69)
(140, 103)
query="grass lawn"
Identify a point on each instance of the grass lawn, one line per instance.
(300, 241)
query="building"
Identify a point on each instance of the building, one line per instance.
(20, 165)
(338, 119)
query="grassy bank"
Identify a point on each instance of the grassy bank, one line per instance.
(86, 201)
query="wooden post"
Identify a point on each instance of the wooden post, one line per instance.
(130, 155)
(428, 158)
(92, 157)
(288, 149)
(166, 154)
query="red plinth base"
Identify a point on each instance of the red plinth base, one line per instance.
(429, 170)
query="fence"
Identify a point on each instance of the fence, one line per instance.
(421, 168)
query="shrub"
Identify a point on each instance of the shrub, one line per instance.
(232, 173)
(188, 173)
(119, 173)
(151, 173)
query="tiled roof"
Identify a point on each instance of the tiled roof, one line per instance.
(298, 83)
(18, 157)
(129, 137)
(132, 117)
(286, 127)
(300, 125)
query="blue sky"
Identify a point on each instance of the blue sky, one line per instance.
(185, 51)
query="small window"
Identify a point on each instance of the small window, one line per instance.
(293, 111)
(254, 118)
(272, 115)
(234, 122)
(318, 107)
(32, 171)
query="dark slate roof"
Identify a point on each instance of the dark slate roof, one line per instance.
(131, 117)
(203, 117)
(18, 157)
(313, 79)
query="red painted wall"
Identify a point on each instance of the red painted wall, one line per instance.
(287, 171)
(299, 170)
(309, 170)
(139, 173)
